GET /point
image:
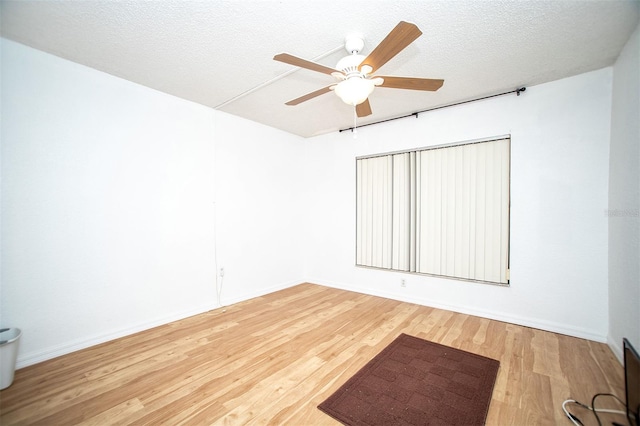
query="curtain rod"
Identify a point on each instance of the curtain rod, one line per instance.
(415, 114)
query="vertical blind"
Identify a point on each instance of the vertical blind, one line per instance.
(441, 211)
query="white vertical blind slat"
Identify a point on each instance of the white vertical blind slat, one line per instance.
(376, 211)
(492, 260)
(359, 208)
(398, 194)
(368, 212)
(473, 196)
(459, 214)
(413, 223)
(480, 214)
(450, 196)
(400, 211)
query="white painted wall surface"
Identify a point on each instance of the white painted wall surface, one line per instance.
(260, 216)
(560, 149)
(107, 211)
(624, 199)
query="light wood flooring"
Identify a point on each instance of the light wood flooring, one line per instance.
(273, 359)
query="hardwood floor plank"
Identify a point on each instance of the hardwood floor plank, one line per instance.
(120, 411)
(273, 359)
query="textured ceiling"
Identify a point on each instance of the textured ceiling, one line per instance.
(219, 53)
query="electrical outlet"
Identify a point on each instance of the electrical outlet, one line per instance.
(403, 283)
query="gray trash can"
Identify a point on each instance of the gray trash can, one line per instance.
(9, 340)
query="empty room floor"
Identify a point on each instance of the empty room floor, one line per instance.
(273, 359)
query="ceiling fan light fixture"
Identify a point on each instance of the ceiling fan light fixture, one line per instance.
(355, 90)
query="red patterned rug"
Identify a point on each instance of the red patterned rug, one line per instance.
(416, 382)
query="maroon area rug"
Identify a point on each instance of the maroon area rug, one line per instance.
(416, 382)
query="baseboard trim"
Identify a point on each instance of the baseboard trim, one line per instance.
(498, 316)
(616, 348)
(79, 344)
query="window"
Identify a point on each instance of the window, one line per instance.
(440, 211)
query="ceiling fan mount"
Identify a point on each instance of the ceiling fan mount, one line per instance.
(353, 43)
(355, 71)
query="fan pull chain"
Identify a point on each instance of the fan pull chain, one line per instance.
(355, 123)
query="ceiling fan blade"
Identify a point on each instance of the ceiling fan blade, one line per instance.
(411, 83)
(303, 63)
(363, 109)
(400, 37)
(310, 96)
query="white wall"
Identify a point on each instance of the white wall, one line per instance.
(109, 205)
(560, 148)
(107, 215)
(624, 199)
(260, 215)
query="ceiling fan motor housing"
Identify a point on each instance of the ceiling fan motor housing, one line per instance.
(349, 65)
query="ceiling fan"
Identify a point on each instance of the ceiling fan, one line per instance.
(355, 71)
